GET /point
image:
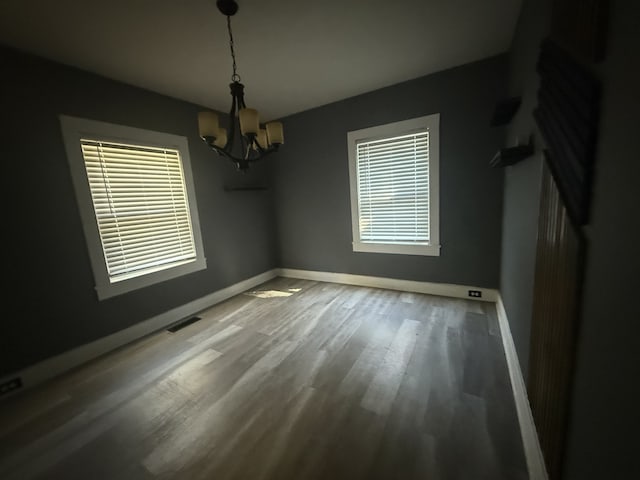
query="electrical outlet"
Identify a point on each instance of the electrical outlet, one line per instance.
(10, 386)
(475, 293)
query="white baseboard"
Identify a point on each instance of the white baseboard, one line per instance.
(531, 444)
(58, 364)
(54, 366)
(442, 289)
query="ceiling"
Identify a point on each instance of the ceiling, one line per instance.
(292, 55)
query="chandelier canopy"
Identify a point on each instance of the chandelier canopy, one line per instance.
(247, 141)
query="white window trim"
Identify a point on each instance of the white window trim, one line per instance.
(73, 129)
(430, 122)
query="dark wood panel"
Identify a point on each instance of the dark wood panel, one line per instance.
(296, 380)
(555, 319)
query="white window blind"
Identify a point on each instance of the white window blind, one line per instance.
(393, 189)
(141, 207)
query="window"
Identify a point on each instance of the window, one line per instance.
(393, 172)
(137, 204)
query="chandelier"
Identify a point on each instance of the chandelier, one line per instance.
(254, 141)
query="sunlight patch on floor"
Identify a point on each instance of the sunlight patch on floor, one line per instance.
(273, 293)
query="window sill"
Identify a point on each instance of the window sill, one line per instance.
(398, 249)
(107, 289)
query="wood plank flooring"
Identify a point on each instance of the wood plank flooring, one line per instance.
(295, 380)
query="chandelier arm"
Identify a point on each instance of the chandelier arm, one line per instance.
(246, 142)
(241, 164)
(264, 152)
(246, 147)
(224, 153)
(232, 117)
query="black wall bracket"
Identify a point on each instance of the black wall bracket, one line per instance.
(510, 155)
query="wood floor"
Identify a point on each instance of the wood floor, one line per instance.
(296, 380)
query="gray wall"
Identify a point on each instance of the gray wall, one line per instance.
(604, 421)
(51, 289)
(603, 431)
(522, 180)
(312, 179)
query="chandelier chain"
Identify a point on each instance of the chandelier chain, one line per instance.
(235, 77)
